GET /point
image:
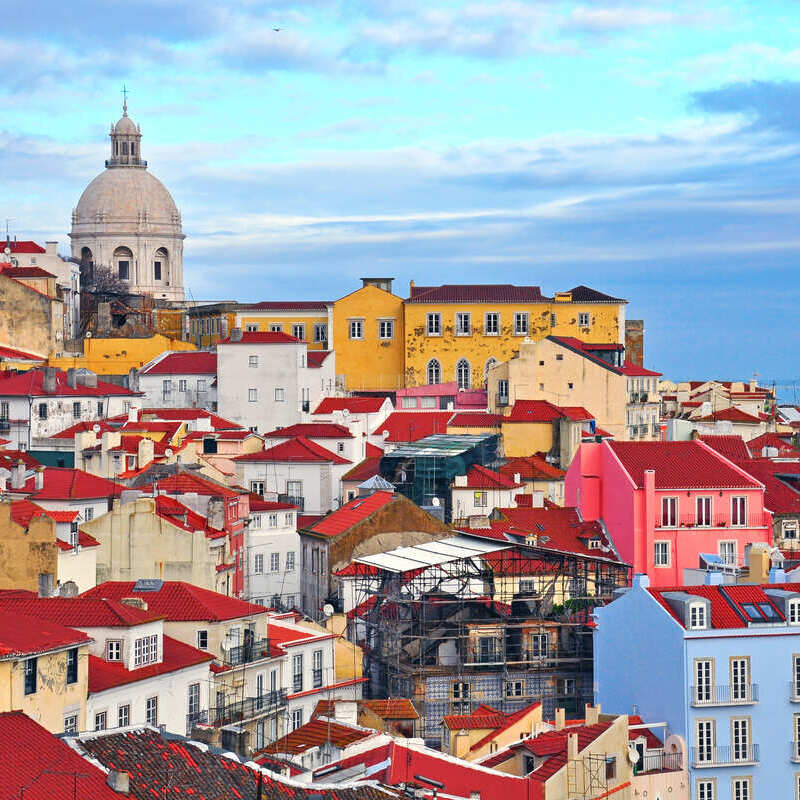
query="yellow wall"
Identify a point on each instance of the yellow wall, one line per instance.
(348, 657)
(478, 348)
(217, 321)
(118, 356)
(25, 554)
(53, 697)
(461, 742)
(369, 364)
(526, 438)
(266, 319)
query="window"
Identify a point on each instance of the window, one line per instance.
(514, 688)
(258, 563)
(157, 270)
(538, 645)
(294, 488)
(280, 395)
(276, 601)
(290, 561)
(703, 507)
(553, 320)
(275, 562)
(252, 395)
(297, 718)
(740, 679)
(661, 556)
(611, 768)
(272, 519)
(202, 640)
(566, 687)
(583, 319)
(113, 650)
(100, 411)
(124, 269)
(739, 511)
(741, 788)
(320, 332)
(72, 665)
(297, 672)
(260, 735)
(386, 329)
(789, 529)
(287, 519)
(502, 390)
(793, 616)
(76, 410)
(145, 650)
(433, 324)
(252, 361)
(460, 692)
(257, 487)
(276, 327)
(740, 738)
(727, 552)
(4, 408)
(30, 675)
(88, 514)
(356, 328)
(704, 741)
(570, 386)
(697, 615)
(201, 384)
(481, 499)
(704, 679)
(193, 699)
(434, 371)
(42, 410)
(316, 668)
(521, 323)
(491, 324)
(183, 385)
(463, 323)
(705, 790)
(669, 512)
(429, 402)
(463, 374)
(73, 534)
(299, 331)
(100, 721)
(71, 723)
(527, 585)
(151, 711)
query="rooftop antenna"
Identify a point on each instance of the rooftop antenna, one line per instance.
(8, 235)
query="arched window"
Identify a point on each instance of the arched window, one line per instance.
(491, 362)
(123, 258)
(160, 262)
(87, 259)
(463, 374)
(434, 371)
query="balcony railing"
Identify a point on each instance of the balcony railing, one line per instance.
(717, 521)
(794, 751)
(741, 695)
(239, 711)
(502, 399)
(725, 756)
(549, 655)
(658, 762)
(245, 653)
(316, 678)
(794, 691)
(293, 499)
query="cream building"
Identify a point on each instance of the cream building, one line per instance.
(127, 220)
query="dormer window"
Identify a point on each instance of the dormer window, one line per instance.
(594, 544)
(793, 612)
(697, 616)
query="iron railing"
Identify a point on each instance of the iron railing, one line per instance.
(717, 521)
(721, 695)
(658, 762)
(245, 653)
(722, 756)
(238, 711)
(502, 399)
(292, 499)
(316, 678)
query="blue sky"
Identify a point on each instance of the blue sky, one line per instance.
(648, 149)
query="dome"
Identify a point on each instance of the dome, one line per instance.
(125, 126)
(121, 195)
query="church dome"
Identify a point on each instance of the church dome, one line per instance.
(125, 125)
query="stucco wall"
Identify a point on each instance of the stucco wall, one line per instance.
(24, 555)
(29, 320)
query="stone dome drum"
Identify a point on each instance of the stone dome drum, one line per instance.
(127, 221)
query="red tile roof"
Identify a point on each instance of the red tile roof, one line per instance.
(263, 337)
(82, 427)
(184, 363)
(393, 708)
(476, 293)
(483, 718)
(31, 383)
(355, 405)
(185, 414)
(26, 246)
(288, 305)
(554, 745)
(480, 477)
(679, 465)
(84, 540)
(62, 483)
(23, 636)
(653, 742)
(784, 448)
(373, 451)
(355, 511)
(474, 419)
(780, 497)
(78, 612)
(311, 430)
(730, 415)
(732, 447)
(313, 734)
(26, 272)
(577, 413)
(30, 757)
(286, 635)
(258, 503)
(294, 450)
(12, 354)
(179, 515)
(510, 719)
(189, 482)
(534, 411)
(175, 656)
(635, 370)
(179, 601)
(364, 470)
(9, 458)
(531, 468)
(316, 358)
(411, 426)
(585, 294)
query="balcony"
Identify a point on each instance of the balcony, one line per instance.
(659, 762)
(551, 656)
(239, 711)
(794, 751)
(725, 756)
(245, 653)
(316, 678)
(794, 691)
(717, 521)
(292, 499)
(741, 695)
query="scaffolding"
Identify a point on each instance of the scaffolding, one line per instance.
(505, 626)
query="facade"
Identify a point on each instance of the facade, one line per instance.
(346, 440)
(180, 380)
(719, 664)
(126, 220)
(537, 475)
(481, 491)
(665, 504)
(207, 324)
(309, 321)
(29, 556)
(37, 324)
(268, 380)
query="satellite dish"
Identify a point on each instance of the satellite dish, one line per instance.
(633, 754)
(87, 335)
(345, 413)
(436, 502)
(225, 645)
(327, 610)
(168, 452)
(385, 435)
(96, 428)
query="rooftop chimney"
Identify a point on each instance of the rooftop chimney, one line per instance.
(135, 602)
(560, 718)
(38, 480)
(133, 414)
(572, 747)
(72, 378)
(49, 381)
(236, 334)
(51, 248)
(119, 781)
(592, 714)
(18, 475)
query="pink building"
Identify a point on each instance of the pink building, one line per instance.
(666, 503)
(441, 396)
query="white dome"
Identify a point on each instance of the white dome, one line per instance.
(126, 126)
(121, 194)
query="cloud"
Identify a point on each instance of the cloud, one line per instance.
(613, 19)
(769, 104)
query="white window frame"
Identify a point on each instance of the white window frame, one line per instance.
(739, 511)
(299, 331)
(704, 511)
(705, 739)
(252, 361)
(433, 323)
(280, 395)
(113, 650)
(491, 320)
(258, 563)
(663, 558)
(741, 787)
(697, 613)
(290, 561)
(252, 395)
(355, 328)
(727, 550)
(793, 611)
(669, 512)
(462, 323)
(274, 562)
(521, 320)
(386, 329)
(584, 319)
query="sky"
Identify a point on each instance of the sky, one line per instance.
(647, 149)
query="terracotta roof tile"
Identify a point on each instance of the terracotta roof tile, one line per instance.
(732, 414)
(296, 449)
(289, 305)
(364, 470)
(355, 511)
(311, 430)
(480, 477)
(31, 384)
(534, 411)
(474, 419)
(411, 426)
(190, 362)
(476, 293)
(263, 337)
(355, 405)
(62, 483)
(531, 467)
(732, 447)
(313, 734)
(21, 635)
(78, 612)
(316, 358)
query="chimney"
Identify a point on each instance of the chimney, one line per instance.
(572, 747)
(144, 453)
(560, 718)
(49, 380)
(134, 602)
(759, 563)
(72, 378)
(517, 477)
(38, 481)
(524, 500)
(51, 248)
(460, 481)
(129, 496)
(753, 385)
(713, 578)
(133, 379)
(411, 287)
(133, 414)
(236, 335)
(591, 714)
(18, 475)
(119, 781)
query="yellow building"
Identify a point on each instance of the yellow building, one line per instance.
(208, 324)
(309, 321)
(369, 338)
(457, 332)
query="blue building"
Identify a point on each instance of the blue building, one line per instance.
(720, 664)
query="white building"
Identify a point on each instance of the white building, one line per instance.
(347, 437)
(268, 380)
(180, 380)
(368, 412)
(480, 491)
(272, 576)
